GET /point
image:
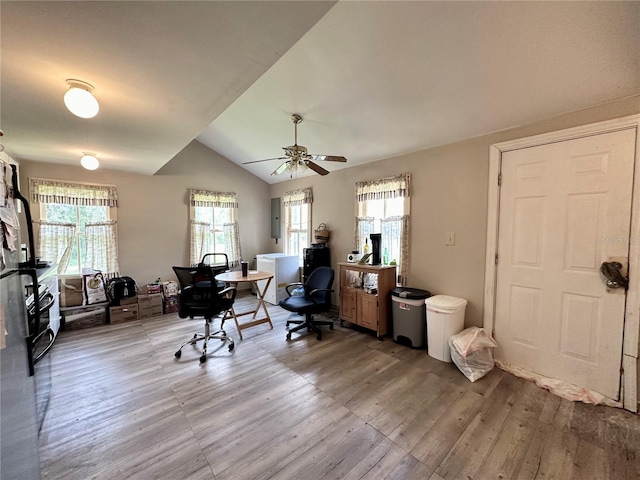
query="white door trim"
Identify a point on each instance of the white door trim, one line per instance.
(632, 312)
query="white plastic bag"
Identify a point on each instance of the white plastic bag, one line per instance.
(471, 352)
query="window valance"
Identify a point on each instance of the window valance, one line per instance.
(69, 193)
(384, 188)
(204, 198)
(297, 197)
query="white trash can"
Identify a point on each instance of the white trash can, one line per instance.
(445, 317)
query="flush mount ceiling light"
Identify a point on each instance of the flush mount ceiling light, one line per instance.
(79, 99)
(89, 161)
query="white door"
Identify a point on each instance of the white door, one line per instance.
(564, 209)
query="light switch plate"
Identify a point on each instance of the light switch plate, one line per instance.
(451, 239)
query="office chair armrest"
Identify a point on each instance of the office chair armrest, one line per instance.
(231, 289)
(296, 284)
(317, 290)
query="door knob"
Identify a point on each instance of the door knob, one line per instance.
(612, 272)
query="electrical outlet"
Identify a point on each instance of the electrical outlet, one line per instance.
(451, 239)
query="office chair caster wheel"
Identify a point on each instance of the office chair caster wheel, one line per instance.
(203, 358)
(231, 347)
(331, 326)
(178, 354)
(288, 336)
(319, 337)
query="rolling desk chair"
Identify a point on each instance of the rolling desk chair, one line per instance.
(200, 296)
(316, 299)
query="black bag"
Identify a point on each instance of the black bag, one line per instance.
(121, 287)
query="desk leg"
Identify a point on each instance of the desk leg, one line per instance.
(261, 301)
(235, 319)
(254, 312)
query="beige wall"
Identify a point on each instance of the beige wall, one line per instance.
(153, 228)
(449, 194)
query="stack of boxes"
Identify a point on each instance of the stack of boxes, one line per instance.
(146, 304)
(75, 315)
(150, 303)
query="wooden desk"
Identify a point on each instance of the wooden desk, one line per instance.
(234, 278)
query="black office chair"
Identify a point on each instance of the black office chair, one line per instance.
(201, 296)
(316, 299)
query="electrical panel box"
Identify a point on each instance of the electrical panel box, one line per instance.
(275, 217)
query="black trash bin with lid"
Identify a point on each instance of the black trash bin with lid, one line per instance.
(409, 316)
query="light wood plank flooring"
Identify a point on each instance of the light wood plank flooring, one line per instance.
(349, 406)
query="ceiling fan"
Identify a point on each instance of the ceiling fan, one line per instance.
(296, 156)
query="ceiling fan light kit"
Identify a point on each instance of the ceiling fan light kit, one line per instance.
(297, 158)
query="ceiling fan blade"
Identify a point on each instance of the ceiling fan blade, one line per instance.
(328, 158)
(316, 168)
(265, 160)
(281, 168)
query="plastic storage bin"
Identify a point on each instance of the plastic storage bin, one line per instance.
(409, 316)
(445, 317)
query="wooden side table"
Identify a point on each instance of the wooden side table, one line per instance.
(253, 277)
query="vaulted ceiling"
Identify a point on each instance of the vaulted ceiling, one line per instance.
(371, 80)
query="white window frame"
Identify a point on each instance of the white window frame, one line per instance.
(384, 199)
(111, 215)
(48, 192)
(297, 201)
(214, 202)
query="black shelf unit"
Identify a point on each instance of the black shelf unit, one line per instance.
(314, 258)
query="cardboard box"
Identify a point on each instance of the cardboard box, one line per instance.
(149, 305)
(70, 287)
(154, 311)
(129, 301)
(171, 304)
(170, 288)
(85, 318)
(148, 299)
(123, 313)
(154, 288)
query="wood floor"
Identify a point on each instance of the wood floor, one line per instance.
(348, 406)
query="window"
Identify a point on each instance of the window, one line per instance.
(297, 221)
(77, 227)
(214, 225)
(382, 206)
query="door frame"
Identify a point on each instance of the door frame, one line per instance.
(631, 334)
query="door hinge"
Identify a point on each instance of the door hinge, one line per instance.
(499, 179)
(496, 260)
